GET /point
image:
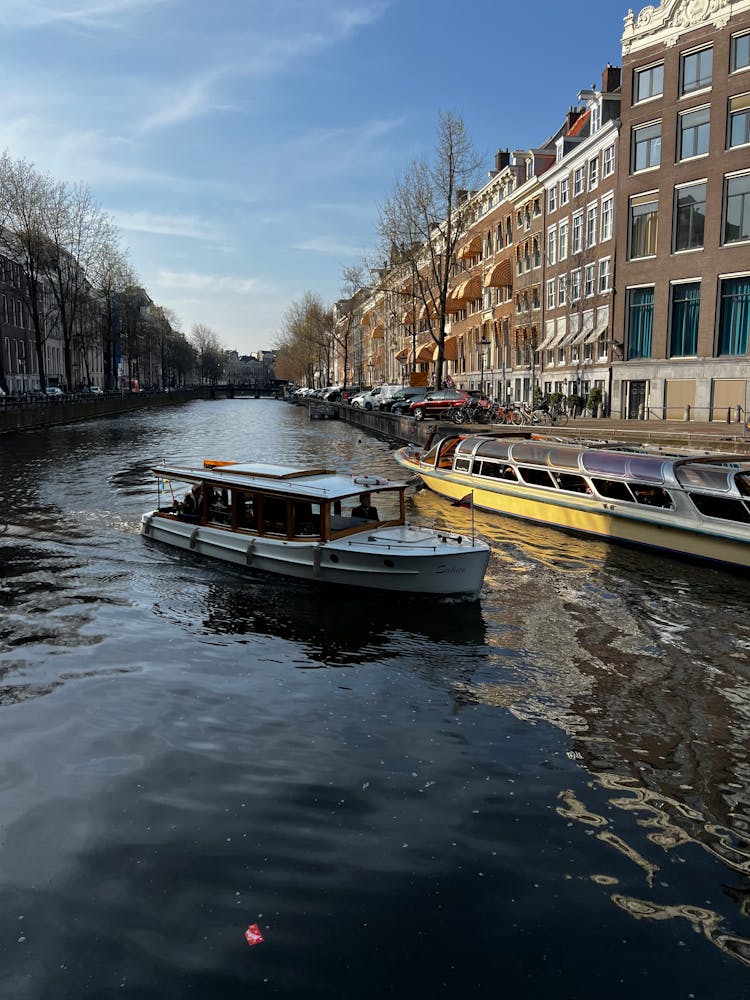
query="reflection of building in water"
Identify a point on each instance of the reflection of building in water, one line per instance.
(662, 729)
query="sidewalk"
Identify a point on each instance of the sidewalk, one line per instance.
(713, 436)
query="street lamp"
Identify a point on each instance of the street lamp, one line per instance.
(483, 344)
(369, 374)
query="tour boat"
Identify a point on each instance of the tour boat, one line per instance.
(688, 504)
(312, 524)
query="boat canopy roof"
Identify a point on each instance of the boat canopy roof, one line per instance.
(314, 484)
(702, 471)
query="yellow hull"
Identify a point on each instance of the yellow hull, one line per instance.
(610, 521)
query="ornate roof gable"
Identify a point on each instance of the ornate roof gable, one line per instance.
(672, 18)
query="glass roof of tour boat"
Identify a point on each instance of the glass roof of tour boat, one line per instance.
(321, 483)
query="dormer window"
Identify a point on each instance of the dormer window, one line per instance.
(595, 117)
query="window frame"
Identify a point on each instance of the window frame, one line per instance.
(640, 73)
(676, 216)
(700, 85)
(733, 67)
(704, 109)
(731, 115)
(728, 178)
(639, 201)
(648, 143)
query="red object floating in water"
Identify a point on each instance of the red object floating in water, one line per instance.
(253, 935)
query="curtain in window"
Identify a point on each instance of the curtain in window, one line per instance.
(734, 321)
(640, 322)
(686, 303)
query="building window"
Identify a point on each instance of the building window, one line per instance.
(643, 223)
(608, 161)
(695, 70)
(640, 322)
(646, 147)
(686, 304)
(737, 208)
(564, 191)
(591, 226)
(589, 280)
(561, 289)
(689, 216)
(734, 315)
(593, 173)
(738, 131)
(575, 285)
(693, 129)
(604, 275)
(551, 293)
(552, 199)
(551, 245)
(576, 242)
(605, 231)
(562, 243)
(648, 83)
(577, 181)
(740, 52)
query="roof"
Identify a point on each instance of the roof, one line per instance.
(320, 484)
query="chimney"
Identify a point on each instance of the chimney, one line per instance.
(573, 115)
(610, 79)
(502, 159)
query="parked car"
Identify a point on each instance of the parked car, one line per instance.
(53, 390)
(371, 400)
(93, 390)
(440, 403)
(340, 394)
(400, 401)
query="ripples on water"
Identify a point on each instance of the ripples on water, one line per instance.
(541, 793)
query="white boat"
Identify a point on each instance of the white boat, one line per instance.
(693, 504)
(312, 524)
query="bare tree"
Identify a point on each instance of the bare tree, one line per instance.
(351, 288)
(24, 241)
(211, 355)
(111, 276)
(79, 232)
(423, 220)
(305, 345)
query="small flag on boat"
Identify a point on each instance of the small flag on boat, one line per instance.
(467, 501)
(253, 935)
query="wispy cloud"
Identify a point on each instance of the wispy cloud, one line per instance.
(102, 13)
(214, 283)
(185, 226)
(327, 245)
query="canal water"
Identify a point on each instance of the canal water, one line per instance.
(543, 793)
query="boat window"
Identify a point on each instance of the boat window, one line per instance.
(446, 454)
(652, 496)
(218, 505)
(704, 477)
(430, 457)
(493, 449)
(274, 516)
(614, 463)
(576, 484)
(538, 453)
(613, 489)
(468, 444)
(306, 518)
(720, 507)
(496, 470)
(742, 481)
(246, 510)
(537, 477)
(462, 464)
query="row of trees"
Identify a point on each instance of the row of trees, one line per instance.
(63, 259)
(419, 227)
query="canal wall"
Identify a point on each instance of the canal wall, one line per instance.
(39, 414)
(714, 436)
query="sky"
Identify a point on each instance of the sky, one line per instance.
(243, 147)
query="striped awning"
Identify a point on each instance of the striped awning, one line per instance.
(471, 248)
(377, 331)
(598, 330)
(450, 350)
(402, 355)
(500, 275)
(424, 352)
(469, 289)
